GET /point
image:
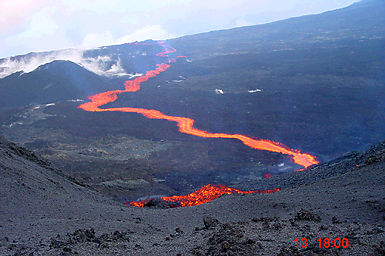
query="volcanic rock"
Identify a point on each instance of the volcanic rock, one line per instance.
(307, 215)
(210, 222)
(160, 203)
(228, 240)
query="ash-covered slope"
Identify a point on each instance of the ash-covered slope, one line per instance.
(40, 204)
(37, 201)
(33, 189)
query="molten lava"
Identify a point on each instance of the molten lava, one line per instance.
(267, 175)
(203, 195)
(186, 125)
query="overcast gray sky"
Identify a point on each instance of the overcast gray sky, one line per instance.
(40, 25)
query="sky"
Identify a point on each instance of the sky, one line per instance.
(42, 25)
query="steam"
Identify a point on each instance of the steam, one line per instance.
(219, 91)
(254, 91)
(100, 65)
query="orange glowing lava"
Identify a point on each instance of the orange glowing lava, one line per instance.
(267, 176)
(203, 195)
(186, 125)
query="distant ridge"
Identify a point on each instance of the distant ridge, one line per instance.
(359, 21)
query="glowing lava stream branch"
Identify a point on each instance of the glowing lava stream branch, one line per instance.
(203, 195)
(186, 125)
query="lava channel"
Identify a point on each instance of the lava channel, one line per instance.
(186, 125)
(203, 195)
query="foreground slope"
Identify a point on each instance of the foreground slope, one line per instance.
(343, 198)
(37, 200)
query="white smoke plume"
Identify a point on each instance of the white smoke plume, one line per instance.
(101, 65)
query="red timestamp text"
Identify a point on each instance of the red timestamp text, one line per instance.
(323, 242)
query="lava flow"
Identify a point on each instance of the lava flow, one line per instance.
(203, 195)
(186, 125)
